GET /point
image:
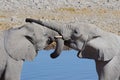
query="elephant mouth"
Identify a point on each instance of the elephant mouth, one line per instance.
(30, 39)
(72, 44)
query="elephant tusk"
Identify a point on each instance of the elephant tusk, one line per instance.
(58, 37)
(79, 54)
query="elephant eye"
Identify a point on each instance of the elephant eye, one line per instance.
(76, 31)
(49, 41)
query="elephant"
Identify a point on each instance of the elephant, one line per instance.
(23, 43)
(53, 36)
(91, 42)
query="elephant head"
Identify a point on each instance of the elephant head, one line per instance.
(23, 43)
(89, 40)
(53, 36)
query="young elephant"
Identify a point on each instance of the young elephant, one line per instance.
(20, 44)
(53, 36)
(92, 43)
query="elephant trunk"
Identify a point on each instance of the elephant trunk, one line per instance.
(58, 49)
(49, 24)
(56, 27)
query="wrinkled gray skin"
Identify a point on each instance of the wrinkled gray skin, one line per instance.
(92, 43)
(19, 44)
(51, 35)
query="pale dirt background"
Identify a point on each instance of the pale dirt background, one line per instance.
(103, 13)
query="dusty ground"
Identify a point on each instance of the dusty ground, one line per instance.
(103, 13)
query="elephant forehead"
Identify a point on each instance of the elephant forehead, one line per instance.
(38, 30)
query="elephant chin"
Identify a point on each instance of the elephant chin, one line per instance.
(53, 55)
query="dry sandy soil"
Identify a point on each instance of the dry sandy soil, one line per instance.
(103, 13)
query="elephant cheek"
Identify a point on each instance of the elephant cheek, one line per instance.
(75, 46)
(65, 37)
(40, 45)
(66, 34)
(79, 45)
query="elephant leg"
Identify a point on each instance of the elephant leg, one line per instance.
(13, 69)
(108, 70)
(3, 75)
(2, 68)
(100, 69)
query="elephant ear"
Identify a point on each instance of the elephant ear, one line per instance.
(100, 49)
(19, 46)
